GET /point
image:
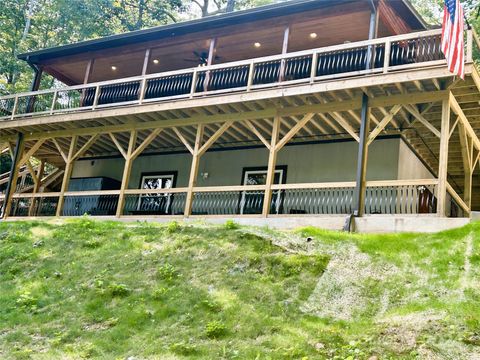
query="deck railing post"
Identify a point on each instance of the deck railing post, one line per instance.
(143, 88)
(15, 105)
(469, 45)
(67, 174)
(14, 170)
(95, 99)
(386, 59)
(272, 160)
(194, 170)
(443, 159)
(194, 83)
(54, 100)
(251, 73)
(313, 70)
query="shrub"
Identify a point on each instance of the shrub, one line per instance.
(231, 225)
(167, 272)
(215, 329)
(27, 301)
(159, 293)
(119, 290)
(173, 227)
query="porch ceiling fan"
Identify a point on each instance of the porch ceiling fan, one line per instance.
(201, 57)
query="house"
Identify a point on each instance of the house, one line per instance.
(302, 112)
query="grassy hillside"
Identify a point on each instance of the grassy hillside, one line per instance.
(85, 289)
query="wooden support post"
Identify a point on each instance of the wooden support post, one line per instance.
(86, 79)
(35, 86)
(67, 174)
(126, 172)
(143, 84)
(194, 170)
(281, 73)
(443, 160)
(12, 182)
(146, 60)
(360, 188)
(272, 160)
(467, 154)
(36, 188)
(211, 53)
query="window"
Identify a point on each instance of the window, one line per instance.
(251, 202)
(157, 202)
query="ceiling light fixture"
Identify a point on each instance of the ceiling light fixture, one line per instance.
(313, 35)
(156, 61)
(114, 67)
(257, 44)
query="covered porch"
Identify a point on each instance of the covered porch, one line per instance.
(432, 117)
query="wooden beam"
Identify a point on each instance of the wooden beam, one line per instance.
(146, 60)
(411, 109)
(379, 128)
(467, 154)
(257, 133)
(126, 172)
(88, 71)
(85, 147)
(146, 142)
(286, 34)
(443, 160)
(118, 145)
(14, 171)
(345, 125)
(31, 151)
(272, 160)
(292, 131)
(193, 170)
(36, 188)
(214, 137)
(458, 110)
(60, 150)
(67, 174)
(183, 139)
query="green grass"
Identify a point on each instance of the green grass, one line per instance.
(111, 290)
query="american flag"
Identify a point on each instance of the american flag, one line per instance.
(452, 37)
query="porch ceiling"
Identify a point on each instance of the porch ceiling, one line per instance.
(253, 124)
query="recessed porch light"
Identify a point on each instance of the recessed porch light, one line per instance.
(257, 44)
(114, 67)
(313, 35)
(156, 61)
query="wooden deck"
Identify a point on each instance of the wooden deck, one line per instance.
(272, 101)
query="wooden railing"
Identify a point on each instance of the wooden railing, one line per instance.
(334, 198)
(421, 49)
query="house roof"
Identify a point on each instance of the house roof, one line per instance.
(210, 22)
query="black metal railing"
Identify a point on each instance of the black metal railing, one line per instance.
(310, 65)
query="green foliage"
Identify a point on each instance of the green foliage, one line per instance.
(167, 272)
(231, 225)
(120, 290)
(208, 292)
(27, 301)
(215, 329)
(173, 227)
